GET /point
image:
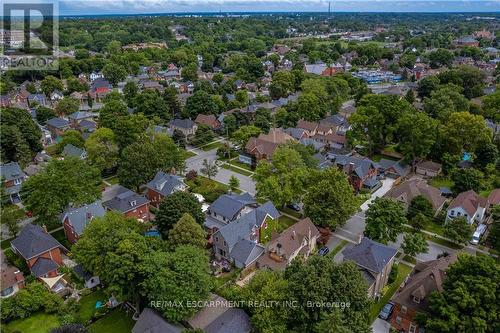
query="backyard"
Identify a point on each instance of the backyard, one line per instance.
(118, 321)
(87, 305)
(285, 222)
(37, 323)
(403, 272)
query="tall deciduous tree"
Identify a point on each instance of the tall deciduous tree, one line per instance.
(111, 112)
(62, 182)
(384, 220)
(209, 169)
(49, 84)
(114, 73)
(67, 106)
(174, 206)
(417, 134)
(466, 179)
(464, 132)
(458, 230)
(234, 183)
(187, 232)
(414, 243)
(102, 149)
(330, 199)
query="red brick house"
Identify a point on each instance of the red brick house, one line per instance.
(75, 220)
(413, 297)
(127, 202)
(163, 185)
(208, 120)
(41, 251)
(361, 172)
(12, 178)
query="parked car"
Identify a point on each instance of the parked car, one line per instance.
(294, 206)
(386, 311)
(323, 251)
(476, 237)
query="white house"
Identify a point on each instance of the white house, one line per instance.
(469, 205)
(94, 76)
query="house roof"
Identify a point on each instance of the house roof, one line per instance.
(426, 277)
(335, 119)
(361, 166)
(58, 122)
(150, 321)
(80, 271)
(33, 241)
(81, 216)
(296, 133)
(307, 125)
(165, 184)
(400, 168)
(429, 165)
(229, 205)
(407, 191)
(370, 255)
(43, 266)
(470, 201)
(182, 123)
(246, 251)
(8, 273)
(79, 115)
(494, 197)
(70, 150)
(209, 120)
(123, 199)
(243, 227)
(221, 318)
(10, 171)
(292, 238)
(316, 68)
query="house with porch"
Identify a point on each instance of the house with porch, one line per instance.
(12, 178)
(163, 185)
(468, 204)
(127, 202)
(74, 220)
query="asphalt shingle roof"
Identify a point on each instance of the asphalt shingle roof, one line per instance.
(58, 122)
(33, 241)
(182, 123)
(43, 266)
(229, 206)
(370, 255)
(123, 200)
(246, 251)
(151, 321)
(81, 216)
(10, 171)
(165, 183)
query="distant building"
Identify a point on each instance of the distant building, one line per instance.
(12, 178)
(75, 220)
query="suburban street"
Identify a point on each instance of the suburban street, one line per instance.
(196, 163)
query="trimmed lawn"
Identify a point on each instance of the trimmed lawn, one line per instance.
(188, 154)
(118, 321)
(213, 145)
(410, 259)
(441, 182)
(112, 180)
(435, 228)
(241, 165)
(443, 242)
(87, 305)
(292, 212)
(5, 244)
(403, 271)
(284, 222)
(209, 188)
(37, 323)
(337, 248)
(237, 170)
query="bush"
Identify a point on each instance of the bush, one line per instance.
(191, 175)
(393, 274)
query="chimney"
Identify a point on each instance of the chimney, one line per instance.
(89, 215)
(293, 234)
(351, 167)
(18, 276)
(173, 171)
(44, 227)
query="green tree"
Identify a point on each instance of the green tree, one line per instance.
(466, 179)
(419, 221)
(417, 134)
(204, 134)
(427, 85)
(414, 243)
(110, 112)
(67, 106)
(102, 150)
(468, 302)
(384, 220)
(464, 132)
(174, 206)
(440, 58)
(60, 183)
(234, 183)
(151, 104)
(130, 91)
(10, 216)
(486, 154)
(180, 277)
(130, 129)
(330, 199)
(71, 137)
(114, 73)
(187, 232)
(243, 133)
(420, 204)
(458, 230)
(230, 124)
(209, 169)
(43, 114)
(49, 84)
(190, 72)
(200, 102)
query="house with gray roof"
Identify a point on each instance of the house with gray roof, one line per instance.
(374, 261)
(220, 318)
(12, 178)
(227, 208)
(393, 169)
(75, 220)
(186, 126)
(150, 321)
(121, 199)
(163, 185)
(238, 241)
(57, 126)
(72, 151)
(362, 172)
(41, 251)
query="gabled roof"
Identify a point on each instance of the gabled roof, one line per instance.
(361, 166)
(58, 122)
(407, 191)
(9, 277)
(370, 255)
(307, 125)
(81, 216)
(33, 241)
(151, 321)
(182, 123)
(400, 168)
(246, 251)
(124, 200)
(70, 150)
(81, 115)
(43, 266)
(470, 201)
(209, 120)
(10, 171)
(292, 238)
(494, 197)
(229, 205)
(165, 184)
(429, 165)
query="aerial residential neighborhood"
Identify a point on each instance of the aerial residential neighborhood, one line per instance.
(219, 170)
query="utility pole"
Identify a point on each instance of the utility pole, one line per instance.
(329, 8)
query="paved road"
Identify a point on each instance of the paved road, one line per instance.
(247, 184)
(434, 249)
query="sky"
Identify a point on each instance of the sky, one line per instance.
(82, 7)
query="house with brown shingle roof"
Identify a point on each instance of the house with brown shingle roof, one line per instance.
(297, 240)
(308, 126)
(426, 278)
(407, 191)
(494, 197)
(263, 147)
(428, 169)
(469, 205)
(209, 120)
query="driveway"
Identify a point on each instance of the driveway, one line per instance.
(247, 184)
(381, 326)
(386, 186)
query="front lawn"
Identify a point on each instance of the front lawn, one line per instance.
(112, 180)
(209, 188)
(213, 145)
(36, 323)
(87, 305)
(434, 228)
(285, 222)
(237, 170)
(403, 272)
(443, 242)
(241, 165)
(441, 182)
(118, 321)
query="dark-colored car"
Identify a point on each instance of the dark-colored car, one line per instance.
(323, 251)
(294, 206)
(386, 311)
